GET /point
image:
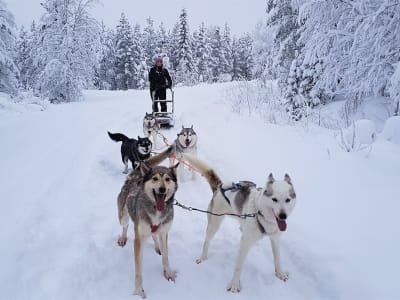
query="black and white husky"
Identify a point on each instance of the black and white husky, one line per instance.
(131, 149)
(271, 205)
(186, 142)
(150, 127)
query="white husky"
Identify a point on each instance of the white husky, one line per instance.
(186, 142)
(271, 205)
(151, 127)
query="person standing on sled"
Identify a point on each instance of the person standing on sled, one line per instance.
(160, 80)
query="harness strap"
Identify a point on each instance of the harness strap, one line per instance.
(234, 187)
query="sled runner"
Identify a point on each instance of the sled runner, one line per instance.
(165, 118)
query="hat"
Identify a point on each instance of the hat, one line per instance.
(159, 59)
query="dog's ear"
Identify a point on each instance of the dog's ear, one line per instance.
(191, 127)
(271, 178)
(138, 138)
(174, 168)
(144, 169)
(183, 127)
(288, 179)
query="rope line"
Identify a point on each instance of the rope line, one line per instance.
(189, 208)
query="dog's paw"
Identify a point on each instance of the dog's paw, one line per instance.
(234, 287)
(140, 292)
(158, 251)
(122, 241)
(282, 275)
(201, 259)
(170, 275)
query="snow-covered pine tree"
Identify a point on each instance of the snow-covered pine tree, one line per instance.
(23, 59)
(106, 69)
(162, 40)
(186, 70)
(70, 41)
(8, 68)
(124, 61)
(282, 27)
(216, 52)
(139, 59)
(226, 55)
(150, 42)
(174, 48)
(243, 64)
(202, 53)
(35, 63)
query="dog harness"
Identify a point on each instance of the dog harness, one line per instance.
(235, 187)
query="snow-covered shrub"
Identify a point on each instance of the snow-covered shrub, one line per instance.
(394, 89)
(358, 135)
(391, 131)
(256, 97)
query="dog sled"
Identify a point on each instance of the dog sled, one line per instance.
(165, 118)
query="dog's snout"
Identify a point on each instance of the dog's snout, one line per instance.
(162, 190)
(282, 216)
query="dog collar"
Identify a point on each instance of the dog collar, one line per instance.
(154, 228)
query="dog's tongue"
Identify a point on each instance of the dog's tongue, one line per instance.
(281, 224)
(160, 202)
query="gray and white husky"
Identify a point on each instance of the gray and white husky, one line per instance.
(186, 142)
(151, 127)
(147, 196)
(271, 204)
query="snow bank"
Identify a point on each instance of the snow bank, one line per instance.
(391, 131)
(22, 103)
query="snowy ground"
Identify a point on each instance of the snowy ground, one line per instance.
(60, 175)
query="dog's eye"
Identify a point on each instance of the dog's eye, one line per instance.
(274, 199)
(155, 178)
(288, 200)
(167, 179)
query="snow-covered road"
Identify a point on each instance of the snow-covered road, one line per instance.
(60, 175)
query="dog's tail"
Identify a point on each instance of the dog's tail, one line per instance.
(118, 137)
(211, 176)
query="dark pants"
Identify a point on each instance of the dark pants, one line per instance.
(160, 94)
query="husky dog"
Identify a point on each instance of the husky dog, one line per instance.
(147, 197)
(271, 205)
(186, 142)
(150, 127)
(131, 149)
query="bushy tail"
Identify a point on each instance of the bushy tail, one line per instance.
(118, 137)
(211, 176)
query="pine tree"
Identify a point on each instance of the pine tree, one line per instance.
(8, 68)
(174, 48)
(186, 70)
(150, 42)
(23, 60)
(243, 63)
(139, 60)
(216, 52)
(107, 78)
(226, 54)
(202, 51)
(124, 61)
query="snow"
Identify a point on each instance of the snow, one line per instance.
(60, 176)
(391, 131)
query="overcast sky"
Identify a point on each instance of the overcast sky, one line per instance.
(241, 15)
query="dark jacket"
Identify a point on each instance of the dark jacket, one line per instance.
(159, 78)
